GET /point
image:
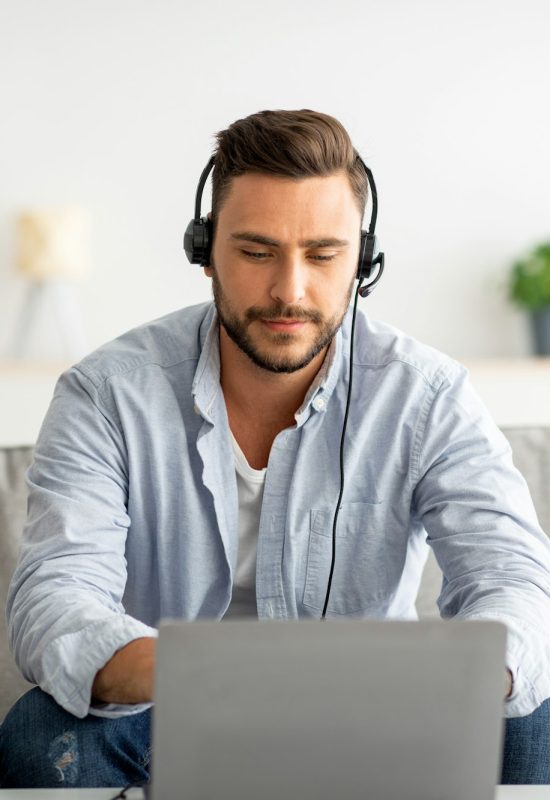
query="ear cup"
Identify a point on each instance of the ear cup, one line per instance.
(369, 255)
(197, 241)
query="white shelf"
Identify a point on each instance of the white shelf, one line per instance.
(516, 391)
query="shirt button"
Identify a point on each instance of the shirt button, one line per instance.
(319, 404)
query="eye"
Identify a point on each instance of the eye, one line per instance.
(324, 258)
(256, 256)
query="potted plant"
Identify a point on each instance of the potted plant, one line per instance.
(529, 288)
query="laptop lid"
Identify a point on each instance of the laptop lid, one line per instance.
(314, 710)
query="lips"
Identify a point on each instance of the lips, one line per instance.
(284, 325)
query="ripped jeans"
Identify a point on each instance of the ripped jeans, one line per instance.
(42, 745)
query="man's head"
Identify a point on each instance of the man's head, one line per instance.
(288, 197)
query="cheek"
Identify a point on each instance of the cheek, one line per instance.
(335, 289)
(242, 288)
(242, 285)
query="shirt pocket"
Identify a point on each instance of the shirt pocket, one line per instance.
(360, 578)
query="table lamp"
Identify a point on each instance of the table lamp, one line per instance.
(53, 253)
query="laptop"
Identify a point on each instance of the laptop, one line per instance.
(347, 709)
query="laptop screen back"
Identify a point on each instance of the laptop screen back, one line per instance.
(314, 710)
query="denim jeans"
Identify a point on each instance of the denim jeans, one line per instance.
(41, 745)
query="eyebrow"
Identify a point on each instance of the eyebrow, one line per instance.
(258, 238)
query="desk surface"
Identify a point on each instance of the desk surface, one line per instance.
(502, 793)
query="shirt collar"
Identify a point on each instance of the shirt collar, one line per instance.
(206, 382)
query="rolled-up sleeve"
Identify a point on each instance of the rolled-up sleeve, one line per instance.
(481, 523)
(65, 613)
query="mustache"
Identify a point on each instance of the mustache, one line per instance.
(255, 313)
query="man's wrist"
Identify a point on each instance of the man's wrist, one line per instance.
(128, 676)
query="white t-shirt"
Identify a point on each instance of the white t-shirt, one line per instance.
(250, 486)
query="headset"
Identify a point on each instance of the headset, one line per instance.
(197, 241)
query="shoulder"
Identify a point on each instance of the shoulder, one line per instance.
(166, 342)
(382, 347)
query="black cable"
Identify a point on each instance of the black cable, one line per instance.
(337, 510)
(122, 794)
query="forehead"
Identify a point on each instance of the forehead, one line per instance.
(256, 199)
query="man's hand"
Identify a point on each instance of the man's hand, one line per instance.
(509, 684)
(128, 677)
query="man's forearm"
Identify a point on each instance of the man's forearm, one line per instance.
(128, 677)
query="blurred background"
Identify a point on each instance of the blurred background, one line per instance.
(111, 107)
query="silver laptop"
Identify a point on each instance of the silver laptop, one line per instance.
(384, 710)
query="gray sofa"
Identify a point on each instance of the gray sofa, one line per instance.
(531, 448)
(13, 499)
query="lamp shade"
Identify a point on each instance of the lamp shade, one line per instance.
(53, 243)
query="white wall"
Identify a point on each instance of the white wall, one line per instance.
(112, 104)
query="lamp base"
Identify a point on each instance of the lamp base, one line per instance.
(64, 307)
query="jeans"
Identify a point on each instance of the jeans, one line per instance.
(41, 745)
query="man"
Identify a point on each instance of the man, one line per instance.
(191, 469)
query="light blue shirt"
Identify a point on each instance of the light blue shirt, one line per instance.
(133, 509)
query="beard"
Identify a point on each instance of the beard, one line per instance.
(237, 328)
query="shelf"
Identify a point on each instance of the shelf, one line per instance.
(516, 391)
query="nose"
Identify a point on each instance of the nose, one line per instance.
(289, 282)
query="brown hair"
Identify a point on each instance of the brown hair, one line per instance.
(293, 144)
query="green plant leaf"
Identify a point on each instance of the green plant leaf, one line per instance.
(529, 284)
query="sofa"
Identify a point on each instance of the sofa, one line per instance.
(531, 451)
(13, 498)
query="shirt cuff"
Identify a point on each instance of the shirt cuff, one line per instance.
(522, 649)
(71, 662)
